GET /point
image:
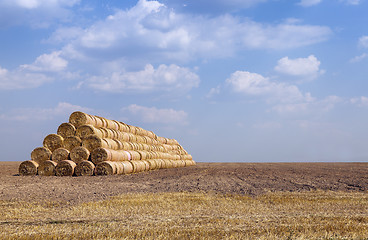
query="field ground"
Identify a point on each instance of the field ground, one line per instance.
(207, 201)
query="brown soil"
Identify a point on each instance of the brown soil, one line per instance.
(233, 178)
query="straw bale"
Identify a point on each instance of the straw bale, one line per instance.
(47, 168)
(28, 168)
(65, 168)
(105, 154)
(41, 154)
(87, 129)
(138, 166)
(66, 130)
(128, 167)
(81, 118)
(79, 154)
(53, 141)
(106, 168)
(92, 142)
(72, 142)
(84, 168)
(60, 154)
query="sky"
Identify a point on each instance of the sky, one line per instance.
(231, 80)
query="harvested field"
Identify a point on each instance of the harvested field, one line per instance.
(206, 201)
(224, 178)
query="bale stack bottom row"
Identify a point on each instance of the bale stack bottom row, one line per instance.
(92, 145)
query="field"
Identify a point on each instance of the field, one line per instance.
(207, 201)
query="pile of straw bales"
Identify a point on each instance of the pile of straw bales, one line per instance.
(93, 145)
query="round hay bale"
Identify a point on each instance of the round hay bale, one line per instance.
(84, 168)
(28, 168)
(53, 141)
(152, 164)
(80, 118)
(92, 142)
(138, 166)
(60, 154)
(98, 122)
(65, 168)
(105, 154)
(146, 165)
(41, 154)
(134, 155)
(106, 168)
(86, 130)
(79, 154)
(47, 168)
(128, 167)
(66, 130)
(72, 142)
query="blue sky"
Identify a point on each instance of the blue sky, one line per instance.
(234, 80)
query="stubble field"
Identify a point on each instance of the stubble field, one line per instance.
(207, 201)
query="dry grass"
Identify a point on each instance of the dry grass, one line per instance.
(306, 215)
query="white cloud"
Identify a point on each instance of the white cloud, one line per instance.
(308, 3)
(42, 70)
(41, 114)
(156, 115)
(351, 2)
(363, 41)
(360, 101)
(305, 67)
(164, 78)
(257, 85)
(310, 106)
(150, 31)
(213, 92)
(359, 58)
(36, 13)
(20, 79)
(47, 63)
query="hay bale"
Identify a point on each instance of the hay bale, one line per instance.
(65, 168)
(92, 142)
(47, 168)
(86, 130)
(41, 154)
(28, 168)
(60, 154)
(79, 154)
(105, 154)
(84, 168)
(127, 167)
(53, 141)
(66, 130)
(81, 118)
(72, 142)
(106, 168)
(138, 166)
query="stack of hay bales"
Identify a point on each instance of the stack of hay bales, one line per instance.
(93, 145)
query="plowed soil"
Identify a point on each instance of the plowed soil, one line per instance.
(225, 178)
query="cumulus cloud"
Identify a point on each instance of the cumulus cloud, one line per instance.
(41, 114)
(256, 85)
(302, 67)
(363, 41)
(158, 115)
(41, 71)
(20, 79)
(359, 58)
(359, 101)
(47, 63)
(216, 6)
(164, 78)
(308, 3)
(150, 31)
(36, 13)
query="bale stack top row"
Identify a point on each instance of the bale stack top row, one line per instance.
(93, 145)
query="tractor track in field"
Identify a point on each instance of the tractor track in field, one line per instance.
(224, 178)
